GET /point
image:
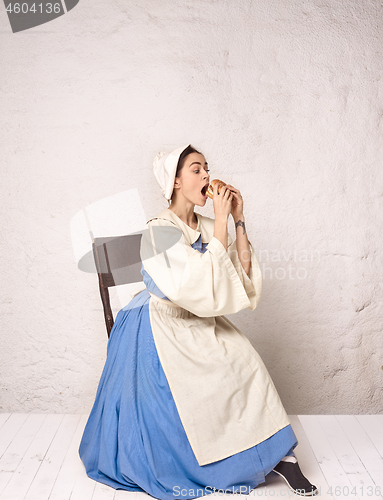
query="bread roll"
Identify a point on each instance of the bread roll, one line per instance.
(210, 189)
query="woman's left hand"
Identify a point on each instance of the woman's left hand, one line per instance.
(236, 202)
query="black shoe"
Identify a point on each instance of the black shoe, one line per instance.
(296, 481)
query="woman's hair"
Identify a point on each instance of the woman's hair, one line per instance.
(181, 160)
(183, 155)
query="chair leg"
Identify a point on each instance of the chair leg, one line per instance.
(108, 315)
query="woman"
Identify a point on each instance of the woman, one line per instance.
(185, 405)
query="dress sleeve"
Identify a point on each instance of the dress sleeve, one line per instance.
(253, 283)
(206, 284)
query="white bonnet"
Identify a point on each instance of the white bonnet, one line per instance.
(165, 167)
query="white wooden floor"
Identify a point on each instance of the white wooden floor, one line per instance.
(341, 454)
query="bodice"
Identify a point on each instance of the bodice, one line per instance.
(149, 282)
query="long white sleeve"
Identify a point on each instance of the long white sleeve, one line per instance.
(252, 283)
(207, 284)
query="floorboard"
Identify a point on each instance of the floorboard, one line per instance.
(341, 454)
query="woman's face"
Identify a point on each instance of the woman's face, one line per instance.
(193, 177)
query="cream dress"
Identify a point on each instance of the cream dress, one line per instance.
(224, 394)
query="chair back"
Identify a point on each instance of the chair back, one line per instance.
(118, 262)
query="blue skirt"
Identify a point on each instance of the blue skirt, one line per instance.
(134, 439)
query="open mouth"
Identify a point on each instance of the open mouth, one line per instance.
(204, 189)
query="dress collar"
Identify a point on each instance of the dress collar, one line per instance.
(205, 227)
(191, 234)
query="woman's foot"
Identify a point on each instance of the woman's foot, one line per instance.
(296, 481)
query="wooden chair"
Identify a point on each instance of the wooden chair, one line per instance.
(118, 262)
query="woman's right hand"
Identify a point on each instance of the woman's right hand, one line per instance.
(222, 202)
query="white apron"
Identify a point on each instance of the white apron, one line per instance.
(224, 394)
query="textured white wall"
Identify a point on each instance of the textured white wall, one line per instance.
(285, 100)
